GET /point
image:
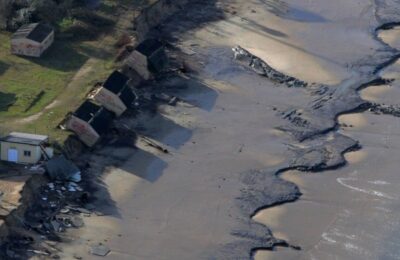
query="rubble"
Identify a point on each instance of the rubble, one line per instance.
(55, 205)
(77, 222)
(61, 169)
(385, 109)
(99, 250)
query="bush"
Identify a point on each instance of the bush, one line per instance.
(5, 12)
(14, 13)
(66, 23)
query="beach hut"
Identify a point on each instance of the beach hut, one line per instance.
(89, 122)
(25, 148)
(148, 58)
(114, 94)
(32, 40)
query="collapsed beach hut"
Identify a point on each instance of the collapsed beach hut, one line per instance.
(61, 169)
(32, 40)
(25, 148)
(148, 58)
(89, 122)
(114, 94)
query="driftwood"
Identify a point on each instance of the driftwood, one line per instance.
(153, 144)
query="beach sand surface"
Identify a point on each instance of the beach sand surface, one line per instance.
(181, 205)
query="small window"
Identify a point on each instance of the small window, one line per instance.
(27, 153)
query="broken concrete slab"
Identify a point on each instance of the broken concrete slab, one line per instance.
(99, 250)
(77, 222)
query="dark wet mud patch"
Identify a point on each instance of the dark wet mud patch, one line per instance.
(316, 125)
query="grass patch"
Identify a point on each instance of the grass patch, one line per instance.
(71, 98)
(27, 78)
(29, 85)
(6, 100)
(36, 94)
(66, 23)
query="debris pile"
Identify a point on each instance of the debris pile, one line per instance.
(294, 116)
(262, 68)
(53, 208)
(385, 109)
(100, 250)
(61, 169)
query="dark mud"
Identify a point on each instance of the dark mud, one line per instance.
(319, 146)
(263, 69)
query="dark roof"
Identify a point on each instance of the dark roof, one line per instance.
(59, 168)
(87, 111)
(157, 61)
(23, 138)
(102, 121)
(149, 46)
(116, 82)
(98, 117)
(127, 96)
(37, 32)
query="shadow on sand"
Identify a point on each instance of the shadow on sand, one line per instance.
(190, 91)
(282, 9)
(253, 26)
(304, 16)
(129, 154)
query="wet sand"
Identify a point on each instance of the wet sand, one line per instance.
(189, 194)
(183, 205)
(350, 213)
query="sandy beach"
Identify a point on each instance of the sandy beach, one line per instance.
(349, 213)
(258, 168)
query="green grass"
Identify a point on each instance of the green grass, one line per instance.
(29, 85)
(34, 82)
(66, 23)
(72, 97)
